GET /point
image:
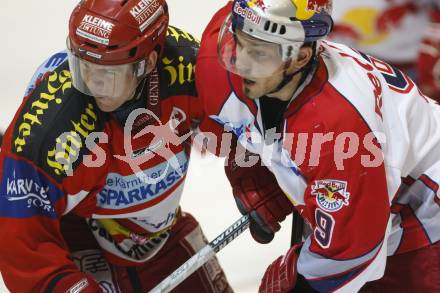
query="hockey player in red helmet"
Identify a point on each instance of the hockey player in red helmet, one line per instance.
(111, 53)
(90, 197)
(349, 139)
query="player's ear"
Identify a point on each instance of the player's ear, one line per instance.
(304, 55)
(151, 61)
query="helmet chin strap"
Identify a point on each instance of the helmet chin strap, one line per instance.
(288, 77)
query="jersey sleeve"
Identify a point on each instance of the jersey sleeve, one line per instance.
(34, 252)
(348, 211)
(346, 199)
(34, 255)
(213, 87)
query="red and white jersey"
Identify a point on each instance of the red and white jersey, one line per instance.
(62, 155)
(388, 29)
(357, 154)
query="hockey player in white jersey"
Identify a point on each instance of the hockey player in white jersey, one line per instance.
(404, 33)
(351, 141)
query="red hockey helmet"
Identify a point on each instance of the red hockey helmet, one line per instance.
(114, 37)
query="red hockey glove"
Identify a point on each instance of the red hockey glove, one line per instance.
(256, 192)
(76, 282)
(428, 63)
(281, 275)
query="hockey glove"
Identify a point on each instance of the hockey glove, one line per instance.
(281, 275)
(256, 192)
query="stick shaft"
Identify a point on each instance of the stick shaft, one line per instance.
(297, 228)
(202, 256)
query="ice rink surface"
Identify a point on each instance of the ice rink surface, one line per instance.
(32, 30)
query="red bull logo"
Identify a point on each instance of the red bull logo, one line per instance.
(317, 5)
(259, 3)
(331, 195)
(247, 13)
(305, 9)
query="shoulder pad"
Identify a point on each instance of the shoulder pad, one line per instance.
(177, 64)
(53, 123)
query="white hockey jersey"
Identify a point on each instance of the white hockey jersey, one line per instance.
(358, 156)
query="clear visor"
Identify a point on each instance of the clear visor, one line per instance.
(246, 56)
(110, 81)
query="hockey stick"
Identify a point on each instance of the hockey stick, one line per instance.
(297, 228)
(201, 257)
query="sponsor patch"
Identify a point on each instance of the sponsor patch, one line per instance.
(127, 249)
(331, 195)
(95, 29)
(247, 13)
(177, 67)
(62, 158)
(126, 191)
(48, 95)
(180, 70)
(24, 192)
(146, 12)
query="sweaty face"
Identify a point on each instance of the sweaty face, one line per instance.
(111, 86)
